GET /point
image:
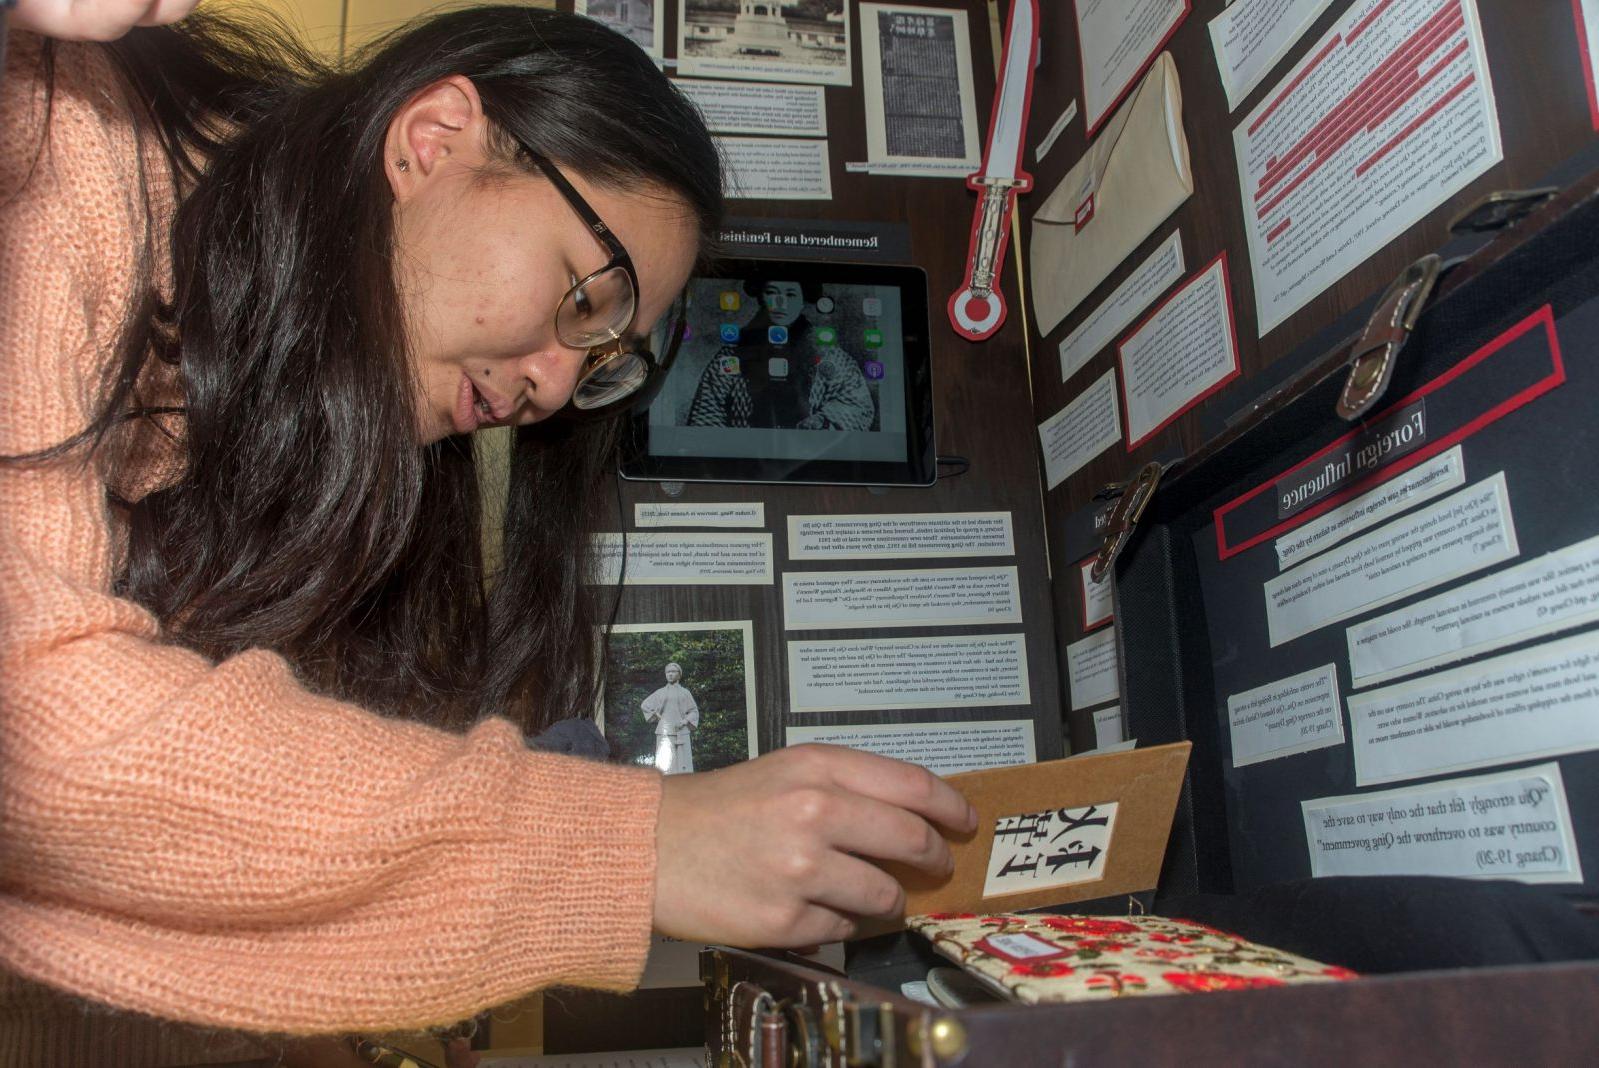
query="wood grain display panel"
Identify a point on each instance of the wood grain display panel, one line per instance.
(983, 413)
(1540, 90)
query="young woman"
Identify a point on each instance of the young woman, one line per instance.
(261, 759)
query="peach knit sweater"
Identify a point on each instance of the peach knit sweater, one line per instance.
(208, 841)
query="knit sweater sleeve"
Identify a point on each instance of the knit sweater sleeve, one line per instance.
(209, 841)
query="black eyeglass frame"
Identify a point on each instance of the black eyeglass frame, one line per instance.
(603, 353)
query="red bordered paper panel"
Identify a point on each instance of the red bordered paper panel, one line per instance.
(1121, 94)
(1543, 319)
(1587, 60)
(1232, 337)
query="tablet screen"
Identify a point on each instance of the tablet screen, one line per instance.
(791, 371)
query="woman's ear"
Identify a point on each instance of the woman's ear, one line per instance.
(438, 130)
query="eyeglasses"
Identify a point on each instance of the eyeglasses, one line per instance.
(598, 311)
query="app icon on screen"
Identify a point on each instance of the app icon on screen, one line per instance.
(871, 306)
(729, 300)
(728, 365)
(824, 305)
(777, 335)
(874, 338)
(873, 369)
(729, 333)
(777, 367)
(826, 335)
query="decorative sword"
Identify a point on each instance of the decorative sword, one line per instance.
(977, 309)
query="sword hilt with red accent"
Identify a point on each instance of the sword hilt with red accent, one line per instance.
(976, 309)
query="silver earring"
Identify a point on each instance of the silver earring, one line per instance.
(402, 164)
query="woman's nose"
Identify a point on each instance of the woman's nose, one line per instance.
(552, 375)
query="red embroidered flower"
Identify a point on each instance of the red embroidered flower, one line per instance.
(940, 916)
(1043, 970)
(1157, 937)
(1096, 945)
(1088, 925)
(1335, 972)
(1205, 982)
(996, 921)
(1164, 954)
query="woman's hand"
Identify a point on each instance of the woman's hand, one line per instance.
(95, 20)
(770, 852)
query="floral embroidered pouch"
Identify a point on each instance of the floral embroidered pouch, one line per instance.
(1035, 957)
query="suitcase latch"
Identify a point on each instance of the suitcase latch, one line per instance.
(1371, 361)
(1132, 497)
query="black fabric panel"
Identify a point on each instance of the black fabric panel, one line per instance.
(1383, 924)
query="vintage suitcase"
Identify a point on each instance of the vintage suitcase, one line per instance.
(1503, 363)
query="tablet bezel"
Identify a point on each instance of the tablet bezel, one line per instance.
(919, 466)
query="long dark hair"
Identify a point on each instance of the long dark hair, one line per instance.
(307, 520)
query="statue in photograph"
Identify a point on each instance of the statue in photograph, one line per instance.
(675, 715)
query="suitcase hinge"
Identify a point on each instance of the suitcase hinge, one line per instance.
(1371, 361)
(1496, 211)
(941, 1040)
(862, 1033)
(1132, 497)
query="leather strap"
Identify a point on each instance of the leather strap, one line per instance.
(1372, 358)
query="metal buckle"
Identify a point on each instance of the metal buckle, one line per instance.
(1132, 497)
(1371, 361)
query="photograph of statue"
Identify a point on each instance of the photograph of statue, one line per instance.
(675, 715)
(634, 19)
(680, 697)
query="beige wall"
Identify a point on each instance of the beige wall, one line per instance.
(337, 27)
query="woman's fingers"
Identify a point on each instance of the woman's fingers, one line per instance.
(776, 851)
(95, 20)
(896, 783)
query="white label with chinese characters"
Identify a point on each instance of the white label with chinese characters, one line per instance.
(1056, 847)
(1023, 946)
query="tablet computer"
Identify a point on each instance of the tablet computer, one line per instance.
(792, 371)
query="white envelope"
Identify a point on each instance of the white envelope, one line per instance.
(1134, 175)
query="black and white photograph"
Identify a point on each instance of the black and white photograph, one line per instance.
(637, 20)
(765, 40)
(921, 107)
(680, 697)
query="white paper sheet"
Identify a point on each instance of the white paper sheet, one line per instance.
(1252, 37)
(689, 1057)
(698, 514)
(1056, 847)
(1513, 825)
(1098, 603)
(1049, 139)
(1442, 473)
(775, 168)
(1109, 726)
(1467, 531)
(924, 597)
(1549, 593)
(965, 671)
(1292, 715)
(775, 42)
(640, 21)
(1152, 278)
(1538, 702)
(686, 559)
(1091, 669)
(921, 104)
(942, 748)
(908, 534)
(1117, 39)
(758, 107)
(1185, 351)
(1387, 117)
(1086, 427)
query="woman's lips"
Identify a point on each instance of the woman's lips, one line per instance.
(474, 408)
